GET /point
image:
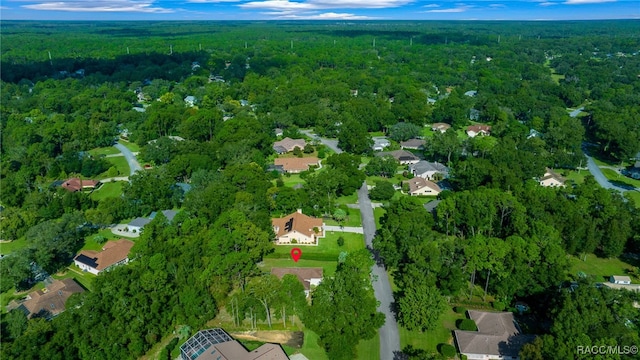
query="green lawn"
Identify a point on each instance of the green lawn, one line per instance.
(396, 179)
(369, 349)
(635, 197)
(108, 190)
(601, 268)
(131, 146)
(353, 219)
(104, 151)
(429, 340)
(619, 178)
(377, 214)
(8, 247)
(328, 267)
(427, 132)
(82, 277)
(557, 77)
(576, 176)
(120, 162)
(327, 249)
(351, 199)
(292, 179)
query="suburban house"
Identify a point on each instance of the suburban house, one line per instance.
(403, 156)
(420, 186)
(498, 337)
(278, 132)
(113, 253)
(216, 344)
(474, 114)
(308, 277)
(296, 165)
(475, 130)
(48, 302)
(137, 225)
(552, 179)
(380, 143)
(297, 228)
(414, 144)
(431, 206)
(471, 93)
(288, 144)
(190, 101)
(428, 170)
(75, 184)
(622, 280)
(442, 127)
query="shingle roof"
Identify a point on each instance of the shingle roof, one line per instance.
(400, 155)
(497, 335)
(479, 128)
(296, 164)
(550, 174)
(296, 222)
(289, 144)
(51, 299)
(304, 275)
(424, 166)
(75, 184)
(112, 252)
(413, 143)
(139, 222)
(440, 126)
(418, 183)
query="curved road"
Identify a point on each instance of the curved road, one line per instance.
(389, 335)
(131, 159)
(598, 175)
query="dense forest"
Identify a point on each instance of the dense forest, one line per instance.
(69, 88)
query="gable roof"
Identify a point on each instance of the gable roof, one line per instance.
(112, 252)
(479, 128)
(418, 183)
(413, 143)
(304, 275)
(50, 300)
(296, 164)
(424, 166)
(550, 174)
(289, 144)
(139, 222)
(296, 222)
(75, 184)
(621, 278)
(440, 126)
(169, 214)
(497, 335)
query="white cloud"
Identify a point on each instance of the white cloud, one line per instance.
(580, 2)
(99, 6)
(432, 6)
(458, 9)
(212, 1)
(328, 16)
(547, 3)
(324, 4)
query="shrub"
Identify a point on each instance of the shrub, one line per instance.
(499, 305)
(294, 241)
(280, 183)
(100, 239)
(460, 309)
(340, 241)
(466, 324)
(447, 350)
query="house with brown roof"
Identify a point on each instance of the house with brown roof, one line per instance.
(75, 184)
(552, 179)
(48, 302)
(296, 165)
(297, 228)
(442, 127)
(308, 277)
(498, 337)
(404, 157)
(413, 144)
(217, 344)
(113, 253)
(419, 186)
(475, 130)
(288, 144)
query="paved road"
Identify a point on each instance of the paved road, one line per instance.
(598, 175)
(349, 229)
(131, 159)
(576, 112)
(389, 336)
(330, 143)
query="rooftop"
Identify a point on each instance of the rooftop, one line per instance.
(296, 164)
(49, 301)
(418, 183)
(296, 222)
(216, 344)
(303, 274)
(112, 253)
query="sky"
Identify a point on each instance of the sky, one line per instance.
(318, 9)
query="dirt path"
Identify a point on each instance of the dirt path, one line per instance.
(294, 339)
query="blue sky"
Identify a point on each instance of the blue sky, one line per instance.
(318, 10)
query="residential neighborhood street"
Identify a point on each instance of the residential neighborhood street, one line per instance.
(598, 175)
(389, 335)
(330, 143)
(131, 159)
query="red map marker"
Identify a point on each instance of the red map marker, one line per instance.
(296, 253)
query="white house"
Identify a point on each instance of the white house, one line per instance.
(552, 179)
(620, 280)
(309, 277)
(419, 186)
(113, 253)
(297, 228)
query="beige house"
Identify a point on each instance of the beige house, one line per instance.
(475, 130)
(552, 179)
(296, 165)
(498, 337)
(308, 277)
(419, 186)
(297, 228)
(49, 301)
(413, 144)
(288, 144)
(442, 127)
(113, 253)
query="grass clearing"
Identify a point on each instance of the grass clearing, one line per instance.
(121, 164)
(104, 151)
(81, 277)
(429, 340)
(133, 147)
(575, 176)
(619, 178)
(327, 250)
(11, 246)
(557, 77)
(378, 213)
(350, 199)
(108, 190)
(601, 268)
(369, 349)
(353, 219)
(634, 196)
(328, 267)
(292, 179)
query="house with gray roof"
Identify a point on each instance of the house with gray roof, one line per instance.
(428, 170)
(380, 143)
(498, 337)
(403, 156)
(414, 144)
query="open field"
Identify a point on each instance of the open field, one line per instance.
(619, 178)
(120, 162)
(327, 250)
(635, 196)
(351, 199)
(377, 214)
(291, 180)
(429, 340)
(11, 246)
(108, 190)
(130, 145)
(104, 151)
(601, 268)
